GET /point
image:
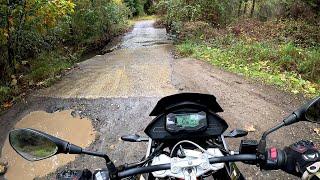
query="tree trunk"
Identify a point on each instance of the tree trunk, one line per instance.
(252, 8)
(10, 59)
(245, 8)
(18, 41)
(239, 8)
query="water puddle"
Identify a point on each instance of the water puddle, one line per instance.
(61, 124)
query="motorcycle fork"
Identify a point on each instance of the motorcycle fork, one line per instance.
(149, 148)
(231, 168)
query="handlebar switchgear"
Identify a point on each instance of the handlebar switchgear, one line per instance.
(299, 156)
(275, 159)
(294, 159)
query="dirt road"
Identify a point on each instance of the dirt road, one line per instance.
(119, 89)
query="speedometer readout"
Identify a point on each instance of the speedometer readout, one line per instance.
(189, 122)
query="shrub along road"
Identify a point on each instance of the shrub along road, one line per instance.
(118, 90)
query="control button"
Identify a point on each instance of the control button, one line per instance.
(273, 153)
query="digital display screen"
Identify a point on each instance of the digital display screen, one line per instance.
(188, 120)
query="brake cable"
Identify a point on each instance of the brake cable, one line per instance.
(190, 142)
(150, 157)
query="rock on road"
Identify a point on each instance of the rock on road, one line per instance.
(119, 89)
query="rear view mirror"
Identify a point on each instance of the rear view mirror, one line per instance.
(312, 113)
(32, 145)
(308, 112)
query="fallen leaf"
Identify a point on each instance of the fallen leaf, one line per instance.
(317, 130)
(7, 104)
(3, 168)
(31, 83)
(112, 147)
(40, 83)
(250, 128)
(14, 82)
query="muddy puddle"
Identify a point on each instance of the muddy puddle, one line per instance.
(61, 124)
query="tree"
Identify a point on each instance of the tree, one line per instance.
(239, 8)
(25, 22)
(136, 6)
(245, 7)
(252, 8)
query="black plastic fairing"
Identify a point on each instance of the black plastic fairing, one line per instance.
(176, 101)
(186, 103)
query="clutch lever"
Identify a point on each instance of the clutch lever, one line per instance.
(134, 138)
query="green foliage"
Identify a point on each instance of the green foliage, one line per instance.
(48, 34)
(280, 65)
(284, 50)
(48, 66)
(302, 33)
(31, 27)
(90, 22)
(216, 13)
(136, 7)
(4, 93)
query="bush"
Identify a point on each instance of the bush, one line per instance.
(197, 30)
(160, 23)
(48, 66)
(95, 23)
(5, 93)
(136, 7)
(39, 26)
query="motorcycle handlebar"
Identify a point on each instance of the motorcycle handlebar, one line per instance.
(148, 169)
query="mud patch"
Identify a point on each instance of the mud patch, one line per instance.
(61, 124)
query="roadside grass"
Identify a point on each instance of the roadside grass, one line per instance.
(5, 92)
(141, 18)
(48, 66)
(146, 17)
(285, 65)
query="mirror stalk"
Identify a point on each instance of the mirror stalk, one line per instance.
(73, 149)
(293, 118)
(263, 142)
(110, 166)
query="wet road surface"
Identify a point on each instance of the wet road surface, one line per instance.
(118, 90)
(61, 124)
